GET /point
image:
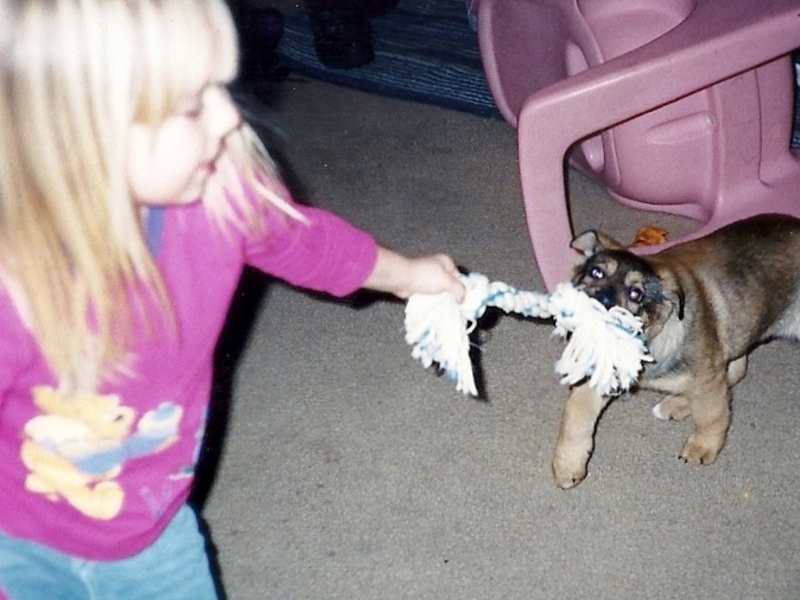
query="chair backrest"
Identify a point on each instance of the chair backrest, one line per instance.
(682, 106)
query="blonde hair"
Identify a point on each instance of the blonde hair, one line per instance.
(74, 76)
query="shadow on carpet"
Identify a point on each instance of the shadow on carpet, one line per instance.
(425, 50)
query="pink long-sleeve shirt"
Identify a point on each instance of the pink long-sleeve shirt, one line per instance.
(100, 476)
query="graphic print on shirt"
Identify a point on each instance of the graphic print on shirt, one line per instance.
(76, 447)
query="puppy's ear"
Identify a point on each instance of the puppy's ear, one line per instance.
(591, 242)
(673, 292)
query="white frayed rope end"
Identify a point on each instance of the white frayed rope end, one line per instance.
(605, 347)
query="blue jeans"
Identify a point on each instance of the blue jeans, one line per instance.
(175, 567)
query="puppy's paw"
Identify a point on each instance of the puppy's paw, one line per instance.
(701, 450)
(672, 408)
(569, 469)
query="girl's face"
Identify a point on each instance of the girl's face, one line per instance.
(171, 163)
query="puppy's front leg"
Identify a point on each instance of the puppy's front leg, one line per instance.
(576, 437)
(711, 411)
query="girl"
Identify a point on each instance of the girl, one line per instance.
(131, 196)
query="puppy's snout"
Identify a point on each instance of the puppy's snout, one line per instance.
(605, 296)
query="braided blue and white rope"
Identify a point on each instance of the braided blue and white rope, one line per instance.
(605, 346)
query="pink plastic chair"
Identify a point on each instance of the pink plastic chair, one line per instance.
(681, 106)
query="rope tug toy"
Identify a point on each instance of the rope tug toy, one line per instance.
(604, 345)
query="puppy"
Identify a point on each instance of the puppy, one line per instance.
(705, 305)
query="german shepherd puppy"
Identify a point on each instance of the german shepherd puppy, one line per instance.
(705, 304)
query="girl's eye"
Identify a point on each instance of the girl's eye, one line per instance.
(193, 111)
(192, 107)
(596, 273)
(635, 294)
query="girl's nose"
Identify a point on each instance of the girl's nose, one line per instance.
(223, 116)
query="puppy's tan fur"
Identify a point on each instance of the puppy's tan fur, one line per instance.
(705, 305)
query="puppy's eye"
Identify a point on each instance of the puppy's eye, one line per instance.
(596, 273)
(635, 294)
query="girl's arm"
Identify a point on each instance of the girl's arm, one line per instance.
(402, 276)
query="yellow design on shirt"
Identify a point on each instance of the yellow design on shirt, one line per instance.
(77, 447)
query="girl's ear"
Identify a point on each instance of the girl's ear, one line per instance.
(591, 242)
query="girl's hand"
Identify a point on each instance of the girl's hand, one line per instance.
(404, 276)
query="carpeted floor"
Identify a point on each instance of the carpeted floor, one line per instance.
(425, 50)
(336, 467)
(347, 471)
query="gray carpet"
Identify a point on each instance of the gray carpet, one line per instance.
(348, 471)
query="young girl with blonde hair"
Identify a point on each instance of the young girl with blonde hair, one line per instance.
(131, 197)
